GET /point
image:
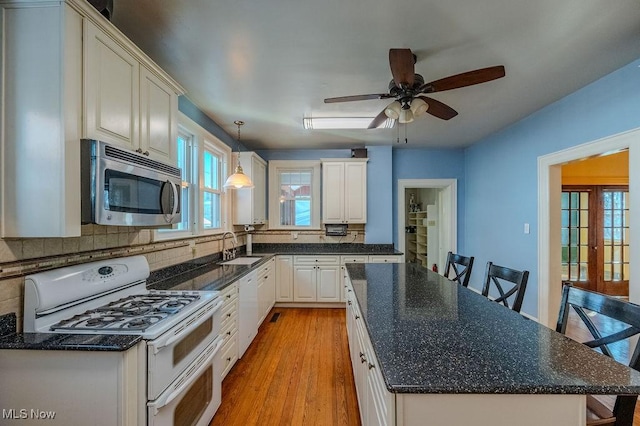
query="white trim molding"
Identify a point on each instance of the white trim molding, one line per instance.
(549, 189)
(448, 211)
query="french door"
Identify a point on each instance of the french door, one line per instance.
(595, 238)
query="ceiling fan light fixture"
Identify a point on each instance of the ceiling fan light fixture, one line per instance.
(418, 107)
(238, 179)
(406, 116)
(393, 110)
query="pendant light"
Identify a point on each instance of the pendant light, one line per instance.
(238, 179)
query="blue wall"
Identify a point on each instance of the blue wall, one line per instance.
(379, 228)
(501, 171)
(190, 110)
(430, 164)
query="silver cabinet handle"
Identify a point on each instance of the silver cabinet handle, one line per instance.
(139, 151)
(371, 366)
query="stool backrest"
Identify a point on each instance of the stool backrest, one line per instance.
(503, 278)
(459, 267)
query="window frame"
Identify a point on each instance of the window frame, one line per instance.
(199, 139)
(278, 166)
(214, 148)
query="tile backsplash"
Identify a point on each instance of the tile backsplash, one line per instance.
(21, 257)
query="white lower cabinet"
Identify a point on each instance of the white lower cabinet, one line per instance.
(266, 289)
(284, 278)
(228, 355)
(377, 405)
(247, 311)
(316, 279)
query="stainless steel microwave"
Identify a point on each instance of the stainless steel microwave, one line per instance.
(121, 187)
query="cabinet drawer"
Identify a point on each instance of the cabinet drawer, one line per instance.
(228, 355)
(384, 259)
(230, 293)
(229, 313)
(316, 260)
(354, 259)
(229, 329)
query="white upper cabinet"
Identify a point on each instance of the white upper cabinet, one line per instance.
(250, 206)
(126, 103)
(344, 190)
(112, 90)
(68, 74)
(158, 117)
(41, 120)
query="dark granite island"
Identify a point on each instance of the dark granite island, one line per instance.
(429, 351)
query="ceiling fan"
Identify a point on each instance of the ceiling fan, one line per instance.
(407, 88)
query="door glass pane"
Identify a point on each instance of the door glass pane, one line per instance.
(574, 234)
(615, 235)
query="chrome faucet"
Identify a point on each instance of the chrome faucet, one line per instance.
(229, 254)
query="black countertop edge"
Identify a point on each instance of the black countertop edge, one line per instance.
(325, 248)
(69, 342)
(433, 336)
(212, 276)
(8, 324)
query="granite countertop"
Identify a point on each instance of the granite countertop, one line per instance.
(431, 335)
(202, 274)
(327, 248)
(9, 339)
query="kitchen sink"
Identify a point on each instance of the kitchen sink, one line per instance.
(242, 261)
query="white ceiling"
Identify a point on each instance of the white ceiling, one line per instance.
(270, 63)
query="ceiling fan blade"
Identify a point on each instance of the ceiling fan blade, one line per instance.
(376, 122)
(402, 64)
(438, 109)
(468, 78)
(357, 98)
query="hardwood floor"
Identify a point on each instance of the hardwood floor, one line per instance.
(296, 372)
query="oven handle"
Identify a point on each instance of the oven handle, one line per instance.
(161, 343)
(162, 402)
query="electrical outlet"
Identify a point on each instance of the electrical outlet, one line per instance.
(294, 235)
(354, 234)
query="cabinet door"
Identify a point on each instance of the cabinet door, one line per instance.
(328, 283)
(284, 278)
(355, 192)
(158, 115)
(271, 285)
(259, 170)
(332, 192)
(262, 300)
(304, 283)
(111, 88)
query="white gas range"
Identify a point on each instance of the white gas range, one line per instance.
(180, 330)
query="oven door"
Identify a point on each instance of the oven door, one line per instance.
(193, 398)
(175, 351)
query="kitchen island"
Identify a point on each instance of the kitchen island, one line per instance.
(429, 351)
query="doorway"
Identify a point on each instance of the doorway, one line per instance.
(549, 219)
(442, 193)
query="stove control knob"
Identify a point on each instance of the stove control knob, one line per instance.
(105, 270)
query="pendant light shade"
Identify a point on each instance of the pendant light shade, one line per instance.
(393, 110)
(238, 179)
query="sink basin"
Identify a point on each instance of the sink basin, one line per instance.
(242, 261)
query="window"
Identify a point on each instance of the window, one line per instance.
(595, 238)
(297, 185)
(203, 160)
(212, 167)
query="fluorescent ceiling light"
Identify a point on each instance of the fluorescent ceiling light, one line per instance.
(318, 123)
